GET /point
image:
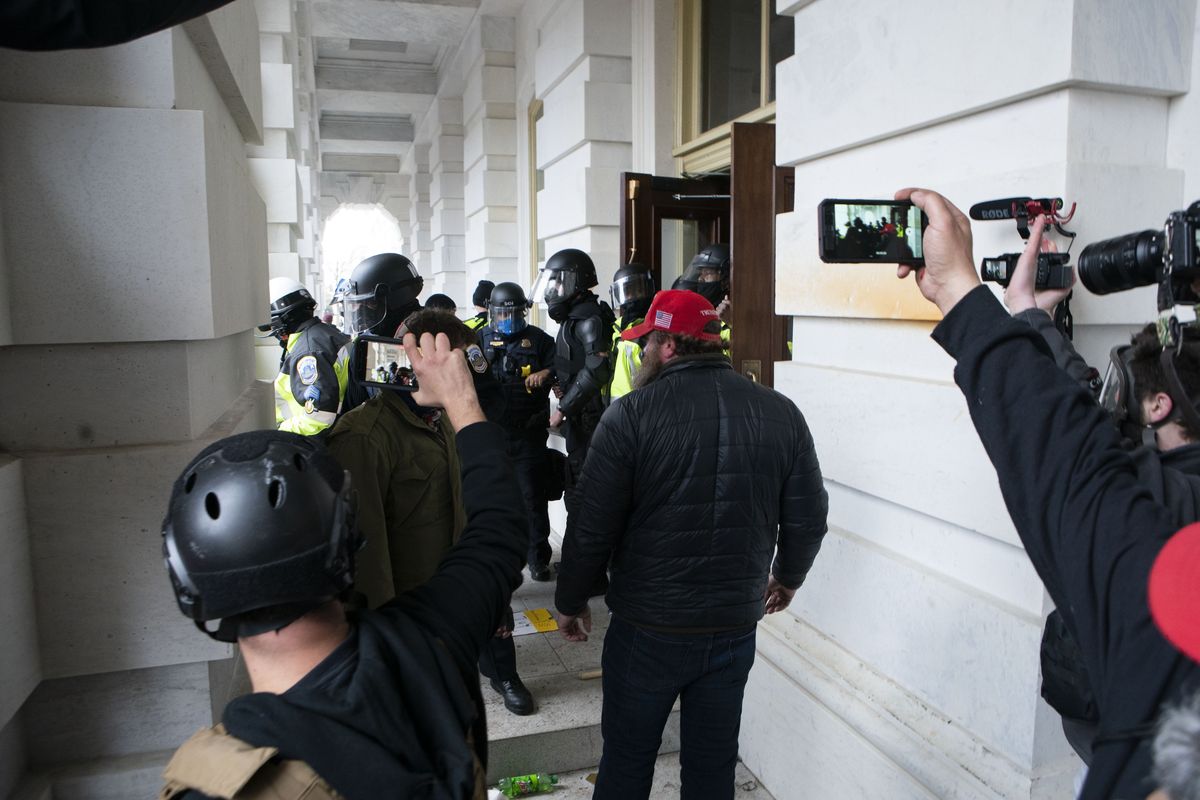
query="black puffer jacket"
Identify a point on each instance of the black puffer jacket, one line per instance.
(691, 484)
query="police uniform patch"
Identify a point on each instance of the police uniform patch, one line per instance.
(306, 368)
(476, 359)
(526, 343)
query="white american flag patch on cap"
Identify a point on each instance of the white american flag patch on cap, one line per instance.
(662, 319)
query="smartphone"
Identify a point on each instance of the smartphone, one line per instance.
(381, 361)
(863, 231)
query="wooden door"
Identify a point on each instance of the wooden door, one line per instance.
(759, 191)
(649, 201)
(738, 208)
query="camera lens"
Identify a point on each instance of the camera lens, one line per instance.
(1124, 262)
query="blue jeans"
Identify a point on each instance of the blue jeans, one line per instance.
(644, 672)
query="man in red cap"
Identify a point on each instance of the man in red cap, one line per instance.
(703, 490)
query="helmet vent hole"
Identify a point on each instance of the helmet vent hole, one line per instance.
(298, 461)
(212, 505)
(275, 493)
(190, 483)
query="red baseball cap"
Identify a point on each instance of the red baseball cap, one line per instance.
(677, 311)
(1174, 591)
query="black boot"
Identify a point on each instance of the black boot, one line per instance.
(517, 698)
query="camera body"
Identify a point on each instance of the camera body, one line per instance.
(1053, 270)
(1169, 257)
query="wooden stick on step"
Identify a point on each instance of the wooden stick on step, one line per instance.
(590, 674)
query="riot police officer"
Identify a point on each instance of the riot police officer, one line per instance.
(381, 292)
(582, 365)
(314, 367)
(631, 291)
(522, 360)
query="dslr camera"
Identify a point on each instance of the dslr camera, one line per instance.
(1053, 269)
(1169, 257)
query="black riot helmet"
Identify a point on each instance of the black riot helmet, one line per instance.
(631, 291)
(291, 305)
(259, 531)
(381, 292)
(507, 307)
(708, 273)
(566, 276)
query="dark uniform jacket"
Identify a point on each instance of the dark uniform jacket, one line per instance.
(582, 364)
(389, 712)
(692, 483)
(312, 380)
(513, 359)
(1089, 523)
(405, 474)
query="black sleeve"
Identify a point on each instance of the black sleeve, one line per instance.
(596, 338)
(606, 492)
(1065, 355)
(1090, 529)
(804, 508)
(475, 581)
(325, 390)
(70, 24)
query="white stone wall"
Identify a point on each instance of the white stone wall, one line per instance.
(134, 264)
(907, 666)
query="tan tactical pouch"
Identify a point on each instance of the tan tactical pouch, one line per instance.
(220, 765)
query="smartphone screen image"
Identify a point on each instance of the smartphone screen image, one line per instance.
(385, 363)
(853, 231)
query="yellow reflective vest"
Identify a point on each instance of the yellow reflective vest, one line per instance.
(626, 359)
(312, 379)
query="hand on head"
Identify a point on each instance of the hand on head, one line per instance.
(1021, 293)
(949, 271)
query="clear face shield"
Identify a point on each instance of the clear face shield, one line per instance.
(554, 287)
(362, 313)
(507, 320)
(1117, 392)
(630, 288)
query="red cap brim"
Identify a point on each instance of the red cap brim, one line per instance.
(637, 331)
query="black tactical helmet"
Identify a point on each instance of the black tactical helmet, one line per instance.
(572, 260)
(566, 275)
(381, 292)
(631, 290)
(507, 307)
(708, 273)
(259, 531)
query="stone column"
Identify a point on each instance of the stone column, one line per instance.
(490, 152)
(447, 224)
(583, 67)
(134, 268)
(420, 214)
(907, 665)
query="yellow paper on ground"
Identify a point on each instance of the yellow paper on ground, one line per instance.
(534, 620)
